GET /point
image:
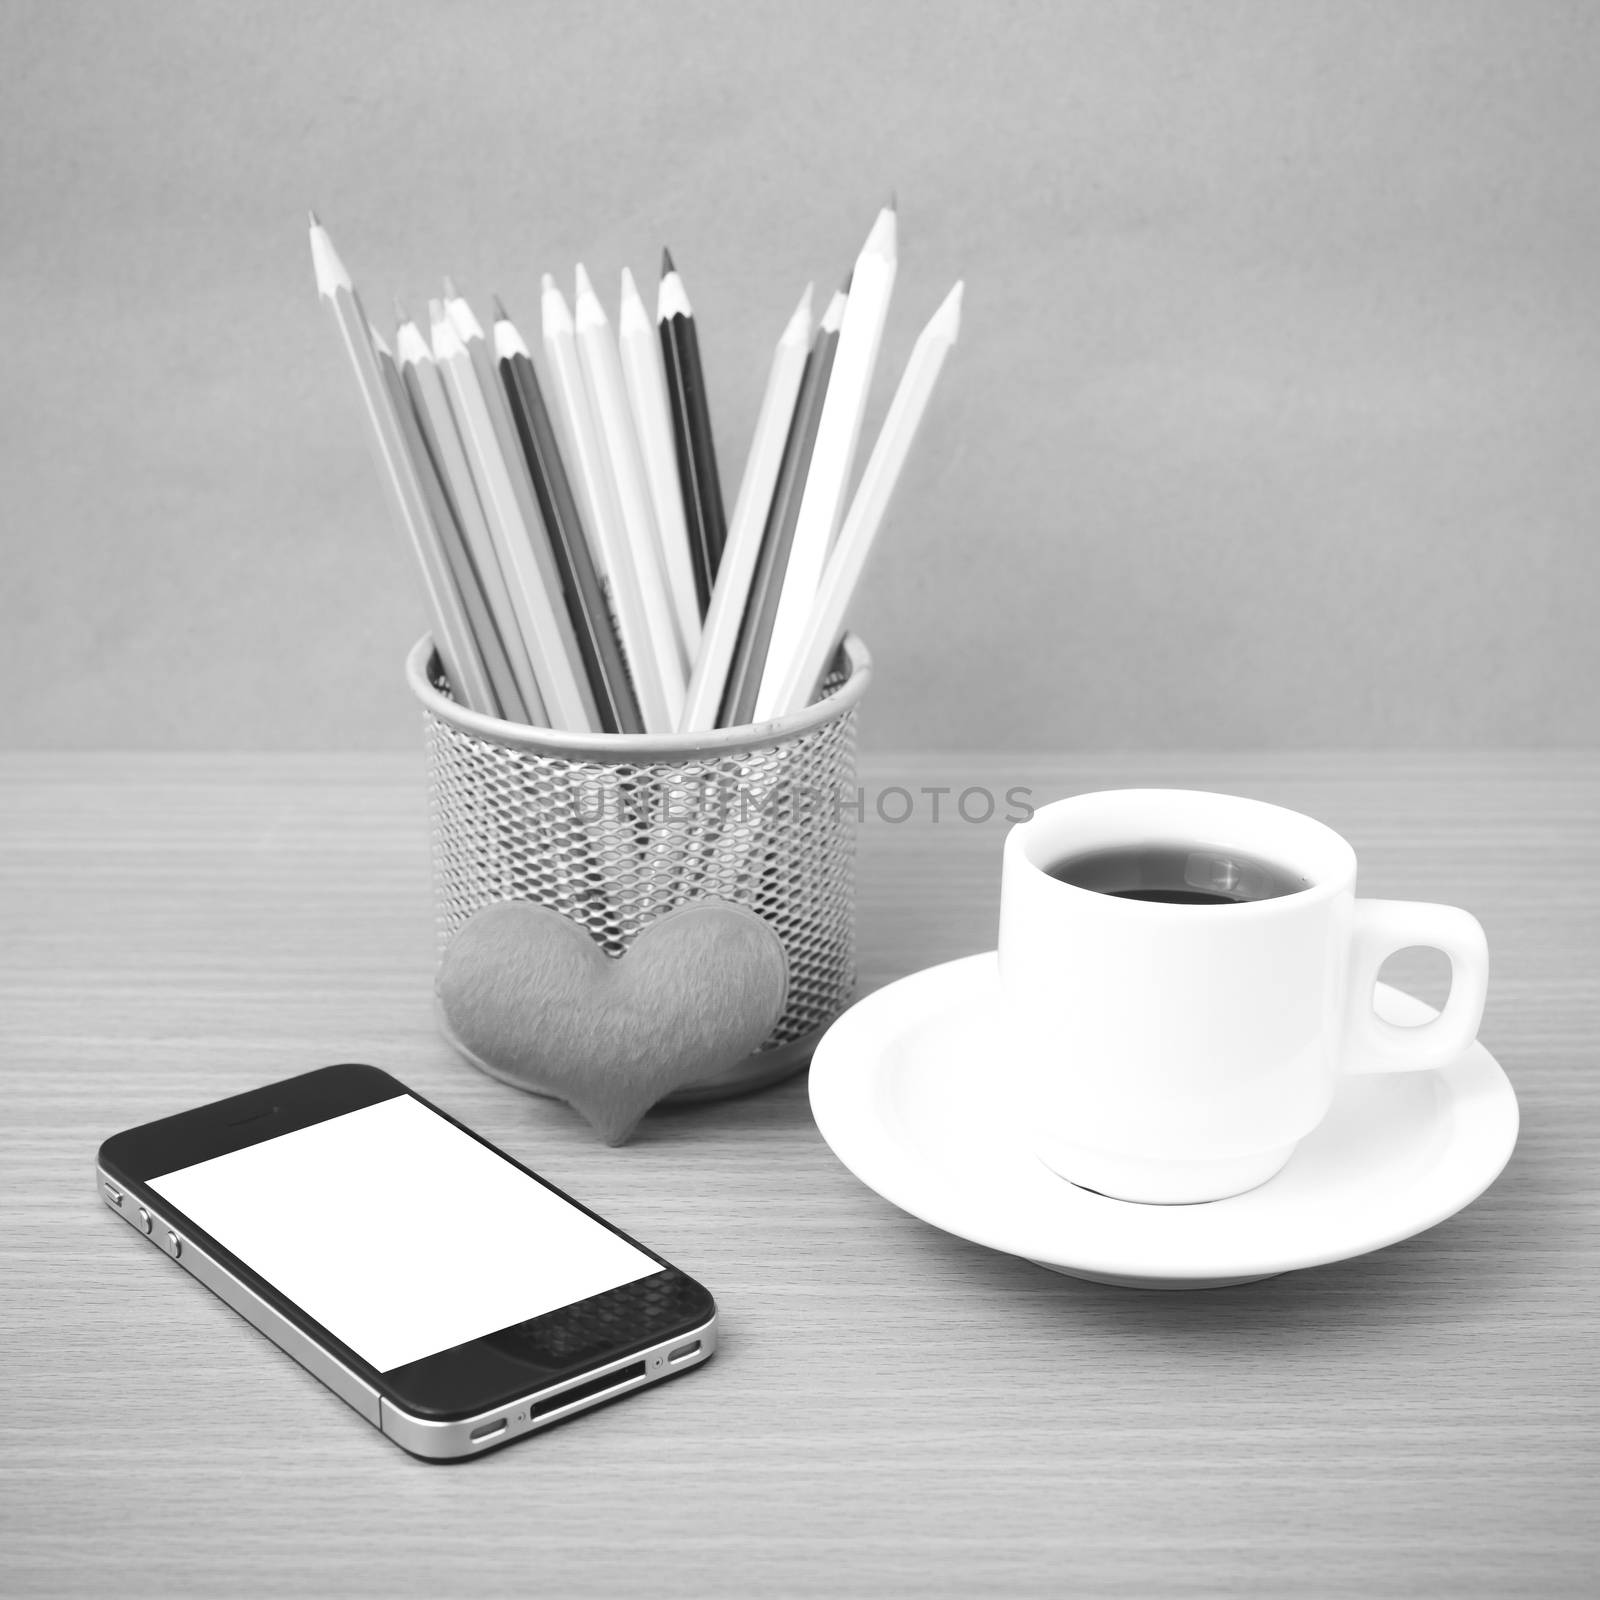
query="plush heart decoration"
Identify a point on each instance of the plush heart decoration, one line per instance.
(531, 998)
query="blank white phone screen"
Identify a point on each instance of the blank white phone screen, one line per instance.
(399, 1233)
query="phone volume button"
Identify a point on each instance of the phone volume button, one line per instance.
(174, 1244)
(144, 1219)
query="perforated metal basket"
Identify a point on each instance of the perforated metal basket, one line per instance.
(615, 830)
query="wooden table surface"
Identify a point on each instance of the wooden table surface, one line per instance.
(893, 1411)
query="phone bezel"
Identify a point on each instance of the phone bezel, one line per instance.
(452, 1385)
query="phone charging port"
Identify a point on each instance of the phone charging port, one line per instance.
(683, 1352)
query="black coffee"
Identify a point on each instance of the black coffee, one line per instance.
(1178, 874)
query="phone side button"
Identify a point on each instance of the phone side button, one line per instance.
(174, 1244)
(143, 1219)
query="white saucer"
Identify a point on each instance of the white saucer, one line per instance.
(908, 1091)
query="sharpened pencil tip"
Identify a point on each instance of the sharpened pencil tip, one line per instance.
(410, 348)
(632, 318)
(316, 221)
(799, 324)
(546, 284)
(580, 282)
(450, 290)
(666, 261)
(331, 274)
(881, 239)
(949, 312)
(401, 315)
(894, 203)
(672, 300)
(507, 341)
(498, 306)
(844, 288)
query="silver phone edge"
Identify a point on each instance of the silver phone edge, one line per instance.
(420, 1436)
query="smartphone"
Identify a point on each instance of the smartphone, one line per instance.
(454, 1298)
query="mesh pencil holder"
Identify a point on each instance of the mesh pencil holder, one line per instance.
(613, 831)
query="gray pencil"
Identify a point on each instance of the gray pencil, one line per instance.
(766, 587)
(452, 633)
(441, 495)
(586, 602)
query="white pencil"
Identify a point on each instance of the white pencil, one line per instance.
(640, 349)
(549, 606)
(872, 498)
(420, 373)
(602, 372)
(837, 434)
(592, 472)
(731, 591)
(452, 634)
(565, 700)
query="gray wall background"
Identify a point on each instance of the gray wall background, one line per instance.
(1276, 419)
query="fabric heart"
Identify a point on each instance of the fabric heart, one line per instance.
(531, 998)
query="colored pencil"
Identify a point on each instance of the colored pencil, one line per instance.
(568, 524)
(838, 432)
(591, 618)
(424, 386)
(870, 504)
(731, 592)
(566, 702)
(750, 655)
(448, 621)
(691, 423)
(608, 395)
(593, 471)
(569, 699)
(485, 636)
(640, 349)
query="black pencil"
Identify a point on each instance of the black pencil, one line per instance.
(586, 603)
(691, 430)
(750, 654)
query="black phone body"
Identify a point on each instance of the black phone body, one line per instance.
(452, 1296)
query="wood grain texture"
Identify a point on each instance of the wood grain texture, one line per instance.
(893, 1411)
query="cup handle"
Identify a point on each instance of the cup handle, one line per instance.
(1382, 927)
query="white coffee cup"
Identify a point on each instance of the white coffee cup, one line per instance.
(1177, 1053)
